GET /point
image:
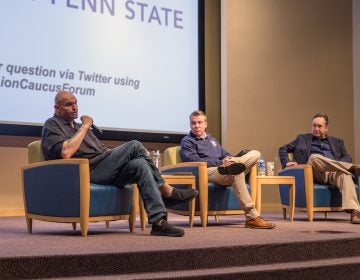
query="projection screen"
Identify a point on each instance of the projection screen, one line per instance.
(134, 66)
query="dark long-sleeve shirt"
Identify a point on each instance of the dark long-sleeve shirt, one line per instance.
(206, 150)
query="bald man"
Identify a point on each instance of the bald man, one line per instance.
(63, 138)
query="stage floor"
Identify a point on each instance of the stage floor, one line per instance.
(59, 239)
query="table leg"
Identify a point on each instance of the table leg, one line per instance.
(258, 198)
(191, 212)
(192, 209)
(291, 201)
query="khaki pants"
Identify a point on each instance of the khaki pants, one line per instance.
(335, 173)
(238, 182)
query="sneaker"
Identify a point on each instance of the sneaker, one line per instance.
(232, 169)
(355, 217)
(260, 223)
(165, 229)
(183, 195)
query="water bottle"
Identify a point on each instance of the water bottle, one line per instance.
(156, 158)
(261, 166)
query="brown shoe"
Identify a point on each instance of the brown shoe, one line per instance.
(259, 222)
(355, 169)
(355, 217)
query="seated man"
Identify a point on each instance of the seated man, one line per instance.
(129, 163)
(330, 162)
(223, 169)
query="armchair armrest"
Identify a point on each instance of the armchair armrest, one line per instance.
(305, 171)
(199, 170)
(57, 187)
(304, 183)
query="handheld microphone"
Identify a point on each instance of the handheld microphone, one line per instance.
(96, 129)
(93, 126)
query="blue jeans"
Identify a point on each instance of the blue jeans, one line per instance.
(128, 164)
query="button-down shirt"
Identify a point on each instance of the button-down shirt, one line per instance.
(322, 147)
(57, 130)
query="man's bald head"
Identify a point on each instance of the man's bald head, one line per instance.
(61, 96)
(66, 105)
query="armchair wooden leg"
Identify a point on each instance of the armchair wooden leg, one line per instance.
(132, 220)
(74, 226)
(203, 197)
(132, 216)
(217, 219)
(134, 208)
(29, 224)
(143, 216)
(84, 228)
(310, 213)
(84, 224)
(203, 219)
(325, 213)
(284, 213)
(138, 202)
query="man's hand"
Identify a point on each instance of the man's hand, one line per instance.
(227, 160)
(71, 145)
(291, 163)
(87, 121)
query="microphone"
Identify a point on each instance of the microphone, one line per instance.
(93, 126)
(96, 129)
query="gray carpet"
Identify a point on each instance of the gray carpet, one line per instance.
(225, 250)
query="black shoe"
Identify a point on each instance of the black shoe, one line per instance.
(242, 152)
(178, 196)
(165, 229)
(183, 194)
(232, 169)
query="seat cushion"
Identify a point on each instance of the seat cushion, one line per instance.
(108, 200)
(222, 198)
(328, 196)
(324, 196)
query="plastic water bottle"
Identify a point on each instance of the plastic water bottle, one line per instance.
(261, 167)
(156, 158)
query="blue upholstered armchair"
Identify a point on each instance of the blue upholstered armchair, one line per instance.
(60, 191)
(213, 199)
(310, 196)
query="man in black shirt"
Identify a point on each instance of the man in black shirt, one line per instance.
(129, 163)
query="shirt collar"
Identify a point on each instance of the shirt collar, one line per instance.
(321, 139)
(199, 138)
(63, 120)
